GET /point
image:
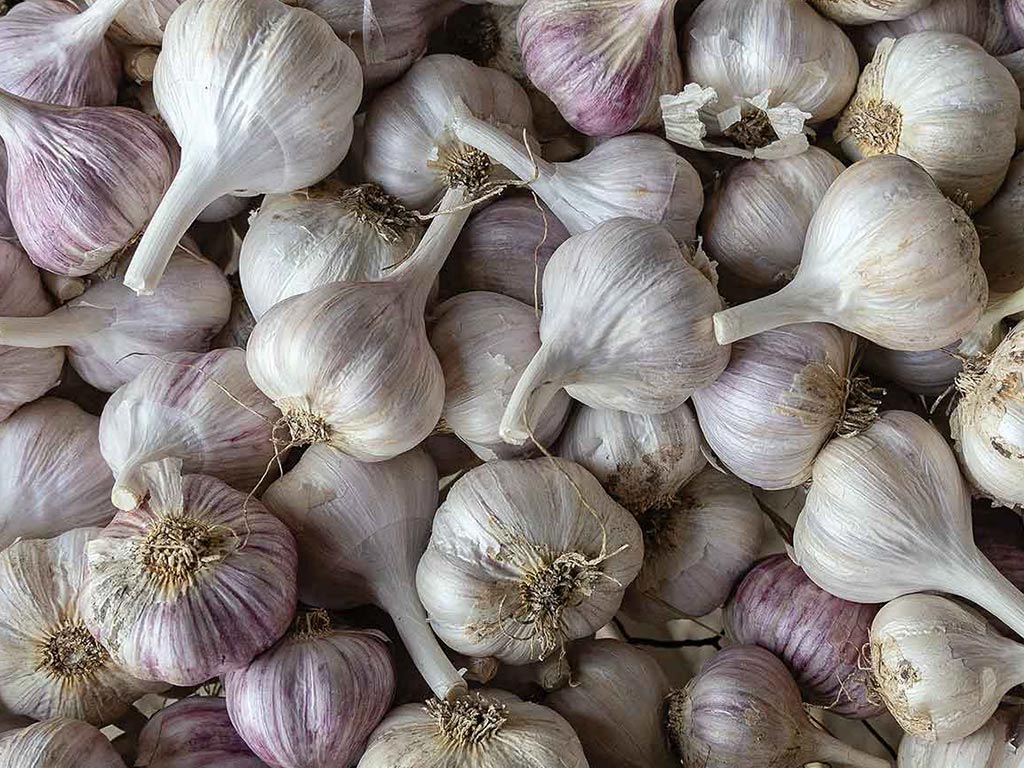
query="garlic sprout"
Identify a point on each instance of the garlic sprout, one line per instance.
(991, 746)
(194, 732)
(58, 743)
(929, 373)
(868, 11)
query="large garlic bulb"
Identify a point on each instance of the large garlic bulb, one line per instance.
(887, 256)
(50, 665)
(524, 557)
(942, 101)
(929, 373)
(994, 745)
(868, 11)
(591, 343)
(1001, 229)
(194, 732)
(57, 743)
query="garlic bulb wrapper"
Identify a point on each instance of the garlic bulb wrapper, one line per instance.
(228, 84)
(1014, 10)
(756, 219)
(524, 557)
(888, 514)
(58, 743)
(361, 529)
(111, 334)
(991, 746)
(603, 65)
(320, 235)
(1002, 233)
(53, 53)
(196, 554)
(484, 342)
(696, 547)
(868, 11)
(928, 373)
(141, 22)
(488, 728)
(590, 342)
(200, 408)
(757, 72)
(50, 666)
(54, 479)
(819, 637)
(614, 703)
(82, 182)
(887, 257)
(194, 732)
(6, 227)
(743, 708)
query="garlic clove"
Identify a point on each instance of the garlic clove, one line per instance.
(868, 11)
(991, 746)
(58, 743)
(194, 732)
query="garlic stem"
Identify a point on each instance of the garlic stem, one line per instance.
(540, 382)
(130, 487)
(94, 21)
(60, 328)
(986, 587)
(829, 749)
(501, 147)
(985, 336)
(785, 307)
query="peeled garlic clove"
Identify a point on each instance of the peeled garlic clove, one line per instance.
(58, 743)
(881, 223)
(194, 732)
(316, 236)
(197, 553)
(929, 373)
(590, 344)
(991, 746)
(260, 96)
(312, 700)
(200, 408)
(54, 478)
(82, 182)
(1002, 234)
(868, 11)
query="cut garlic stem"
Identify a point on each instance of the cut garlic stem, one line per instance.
(60, 328)
(787, 306)
(828, 749)
(538, 385)
(130, 488)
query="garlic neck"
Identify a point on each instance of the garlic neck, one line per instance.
(61, 328)
(787, 306)
(500, 147)
(18, 119)
(91, 25)
(546, 374)
(987, 332)
(828, 749)
(980, 582)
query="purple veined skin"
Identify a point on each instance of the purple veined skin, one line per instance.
(57, 743)
(195, 732)
(818, 636)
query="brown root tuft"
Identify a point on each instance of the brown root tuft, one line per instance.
(876, 124)
(753, 131)
(860, 408)
(70, 653)
(382, 212)
(176, 548)
(469, 720)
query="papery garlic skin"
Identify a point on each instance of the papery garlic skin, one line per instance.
(991, 746)
(1002, 233)
(142, 22)
(6, 227)
(928, 373)
(58, 743)
(194, 732)
(868, 11)
(1014, 10)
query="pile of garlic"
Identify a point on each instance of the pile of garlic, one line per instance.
(511, 383)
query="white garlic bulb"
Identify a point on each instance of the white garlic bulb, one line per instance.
(484, 341)
(887, 257)
(991, 746)
(200, 408)
(591, 343)
(1001, 229)
(524, 557)
(929, 373)
(316, 236)
(942, 101)
(58, 743)
(868, 11)
(260, 96)
(50, 665)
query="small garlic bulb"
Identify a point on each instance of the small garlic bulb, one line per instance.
(524, 557)
(200, 408)
(928, 373)
(1002, 234)
(590, 342)
(197, 553)
(194, 732)
(484, 729)
(484, 342)
(868, 11)
(994, 745)
(319, 235)
(267, 108)
(50, 665)
(887, 257)
(57, 743)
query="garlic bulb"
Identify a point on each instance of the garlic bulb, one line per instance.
(1002, 234)
(485, 729)
(990, 330)
(868, 11)
(361, 529)
(929, 373)
(784, 393)
(590, 342)
(1014, 10)
(53, 53)
(696, 548)
(57, 743)
(82, 182)
(942, 101)
(484, 342)
(28, 373)
(6, 227)
(641, 460)
(604, 65)
(194, 732)
(197, 553)
(757, 218)
(991, 746)
(50, 666)
(54, 478)
(758, 72)
(260, 96)
(940, 668)
(222, 209)
(240, 324)
(524, 557)
(200, 408)
(111, 334)
(316, 236)
(863, 265)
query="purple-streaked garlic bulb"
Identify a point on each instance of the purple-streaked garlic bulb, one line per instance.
(57, 743)
(50, 664)
(361, 528)
(27, 373)
(994, 745)
(55, 478)
(82, 182)
(927, 373)
(201, 408)
(52, 52)
(6, 227)
(604, 65)
(312, 700)
(197, 554)
(194, 732)
(614, 702)
(857, 12)
(112, 335)
(818, 636)
(784, 393)
(743, 708)
(484, 342)
(696, 547)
